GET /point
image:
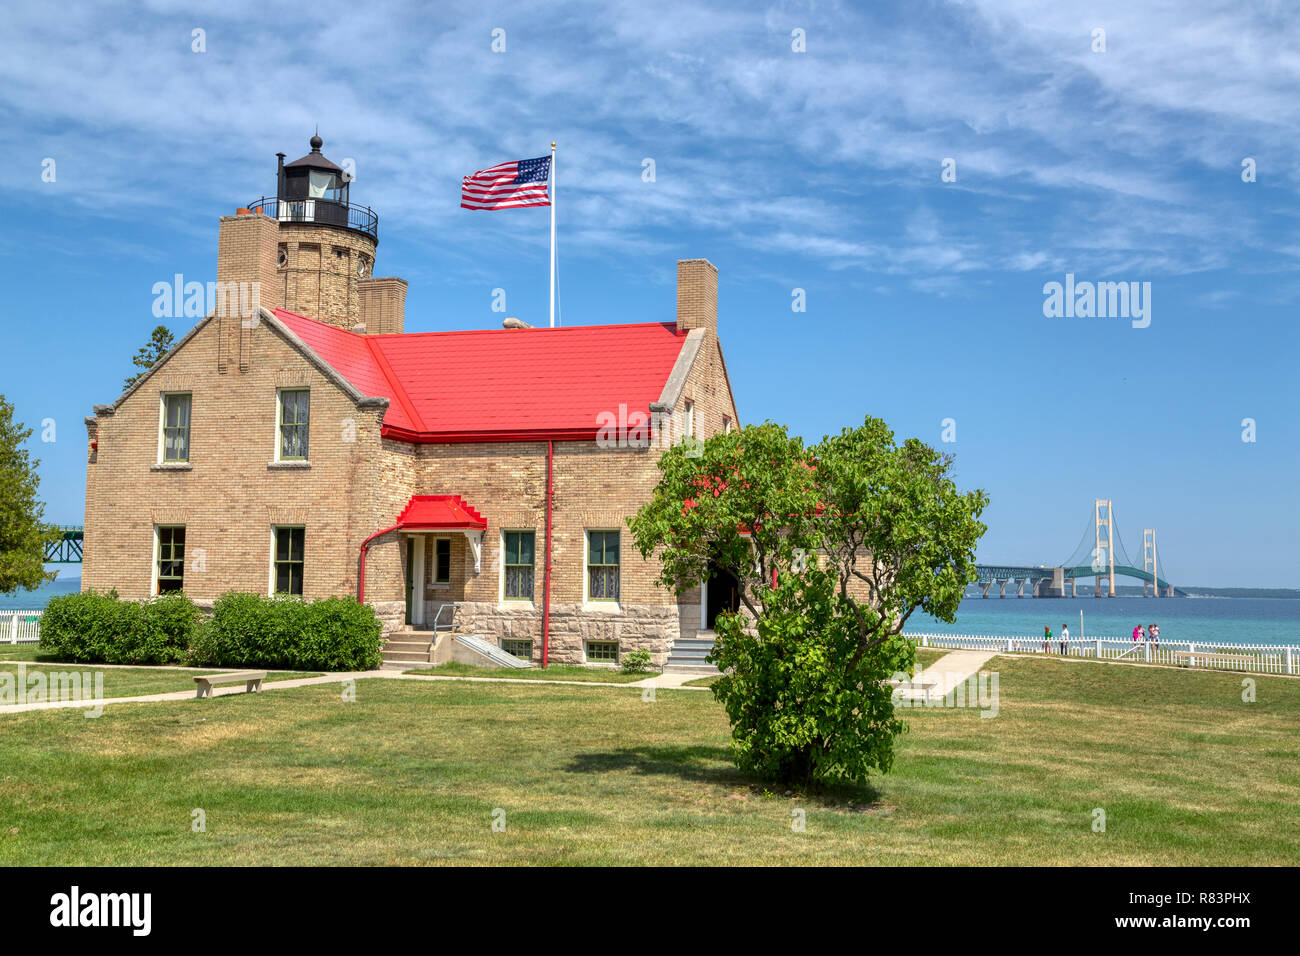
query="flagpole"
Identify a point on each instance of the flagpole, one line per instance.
(552, 234)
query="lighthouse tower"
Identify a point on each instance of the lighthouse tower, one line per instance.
(313, 249)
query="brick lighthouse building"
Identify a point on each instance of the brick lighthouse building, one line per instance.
(469, 485)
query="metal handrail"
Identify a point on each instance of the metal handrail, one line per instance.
(326, 212)
(455, 606)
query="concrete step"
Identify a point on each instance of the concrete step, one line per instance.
(407, 645)
(405, 657)
(703, 670)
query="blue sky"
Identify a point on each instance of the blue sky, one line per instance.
(816, 170)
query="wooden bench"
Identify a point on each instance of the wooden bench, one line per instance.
(1211, 659)
(251, 679)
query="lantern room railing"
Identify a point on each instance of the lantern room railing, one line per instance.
(326, 212)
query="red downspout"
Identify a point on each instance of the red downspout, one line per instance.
(546, 575)
(365, 546)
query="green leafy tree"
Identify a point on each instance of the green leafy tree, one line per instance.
(23, 533)
(159, 344)
(833, 547)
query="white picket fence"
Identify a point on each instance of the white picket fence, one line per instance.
(20, 627)
(1254, 658)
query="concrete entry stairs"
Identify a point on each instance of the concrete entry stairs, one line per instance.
(687, 654)
(409, 648)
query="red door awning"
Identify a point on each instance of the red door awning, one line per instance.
(440, 513)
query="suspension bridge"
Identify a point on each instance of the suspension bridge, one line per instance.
(66, 548)
(1100, 555)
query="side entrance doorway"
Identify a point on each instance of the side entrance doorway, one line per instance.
(721, 593)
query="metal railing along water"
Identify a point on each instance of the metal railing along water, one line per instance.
(1209, 655)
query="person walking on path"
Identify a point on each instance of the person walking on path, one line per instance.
(1065, 638)
(1047, 638)
(1154, 632)
(1138, 634)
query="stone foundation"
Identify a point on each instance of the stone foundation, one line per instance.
(650, 626)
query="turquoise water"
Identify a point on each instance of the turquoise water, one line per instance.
(1221, 620)
(34, 600)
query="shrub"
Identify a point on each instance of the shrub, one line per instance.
(637, 662)
(805, 704)
(249, 630)
(91, 627)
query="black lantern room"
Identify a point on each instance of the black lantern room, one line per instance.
(313, 177)
(314, 190)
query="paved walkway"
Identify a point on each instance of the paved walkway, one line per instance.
(657, 681)
(173, 695)
(955, 667)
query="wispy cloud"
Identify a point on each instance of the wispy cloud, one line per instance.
(1119, 160)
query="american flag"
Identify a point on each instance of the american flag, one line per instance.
(508, 186)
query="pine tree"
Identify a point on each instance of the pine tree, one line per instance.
(160, 342)
(23, 533)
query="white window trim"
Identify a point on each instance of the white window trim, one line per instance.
(611, 607)
(505, 602)
(157, 553)
(270, 571)
(279, 425)
(157, 556)
(618, 651)
(162, 430)
(688, 420)
(532, 645)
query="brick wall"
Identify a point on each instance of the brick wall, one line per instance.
(324, 271)
(231, 492)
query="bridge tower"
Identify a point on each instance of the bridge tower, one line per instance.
(1149, 559)
(1103, 555)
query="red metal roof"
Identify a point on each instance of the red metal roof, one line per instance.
(444, 512)
(500, 384)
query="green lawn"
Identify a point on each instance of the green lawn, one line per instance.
(411, 772)
(21, 652)
(553, 672)
(131, 681)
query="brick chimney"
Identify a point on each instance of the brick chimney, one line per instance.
(247, 244)
(383, 305)
(697, 295)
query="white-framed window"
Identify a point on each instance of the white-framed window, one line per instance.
(169, 558)
(726, 424)
(688, 419)
(293, 420)
(518, 557)
(174, 427)
(288, 544)
(601, 652)
(441, 571)
(603, 565)
(523, 649)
